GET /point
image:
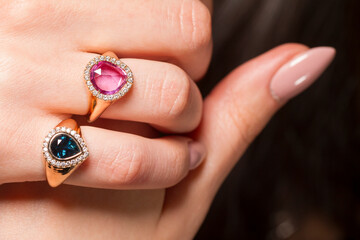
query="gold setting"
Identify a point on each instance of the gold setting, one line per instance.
(100, 102)
(58, 170)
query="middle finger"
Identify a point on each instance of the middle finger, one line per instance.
(162, 95)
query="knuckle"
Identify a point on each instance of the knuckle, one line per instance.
(175, 94)
(240, 118)
(241, 125)
(194, 24)
(179, 167)
(126, 167)
(7, 73)
(18, 11)
(21, 15)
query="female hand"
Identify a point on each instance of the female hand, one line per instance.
(234, 113)
(45, 46)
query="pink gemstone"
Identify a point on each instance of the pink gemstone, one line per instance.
(107, 78)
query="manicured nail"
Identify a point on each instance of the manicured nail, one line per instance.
(197, 154)
(299, 73)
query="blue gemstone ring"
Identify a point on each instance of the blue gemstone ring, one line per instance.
(64, 150)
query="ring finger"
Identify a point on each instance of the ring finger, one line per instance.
(117, 160)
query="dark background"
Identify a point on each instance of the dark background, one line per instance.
(300, 178)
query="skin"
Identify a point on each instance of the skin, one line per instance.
(45, 46)
(176, 201)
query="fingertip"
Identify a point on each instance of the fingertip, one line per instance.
(300, 72)
(197, 152)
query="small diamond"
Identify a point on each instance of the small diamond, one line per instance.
(47, 154)
(95, 93)
(107, 58)
(87, 72)
(130, 80)
(122, 65)
(111, 97)
(100, 96)
(73, 132)
(116, 96)
(91, 88)
(49, 135)
(63, 129)
(127, 69)
(105, 97)
(77, 136)
(125, 90)
(73, 162)
(53, 162)
(45, 144)
(47, 139)
(58, 164)
(128, 85)
(118, 62)
(68, 130)
(88, 83)
(96, 59)
(87, 77)
(92, 62)
(102, 58)
(113, 60)
(45, 149)
(86, 154)
(129, 74)
(62, 164)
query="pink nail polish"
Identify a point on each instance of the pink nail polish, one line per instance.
(197, 154)
(299, 73)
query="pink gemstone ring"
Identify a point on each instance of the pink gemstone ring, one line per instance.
(107, 79)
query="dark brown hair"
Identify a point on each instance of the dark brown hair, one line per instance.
(303, 170)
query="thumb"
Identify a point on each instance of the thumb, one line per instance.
(234, 114)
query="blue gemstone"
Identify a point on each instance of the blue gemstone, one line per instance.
(64, 146)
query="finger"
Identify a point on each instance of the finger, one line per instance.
(128, 161)
(234, 113)
(117, 161)
(162, 94)
(175, 31)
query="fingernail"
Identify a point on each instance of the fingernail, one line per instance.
(197, 154)
(299, 73)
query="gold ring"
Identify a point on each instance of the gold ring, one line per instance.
(64, 150)
(107, 79)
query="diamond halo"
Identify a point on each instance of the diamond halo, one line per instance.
(118, 63)
(68, 162)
